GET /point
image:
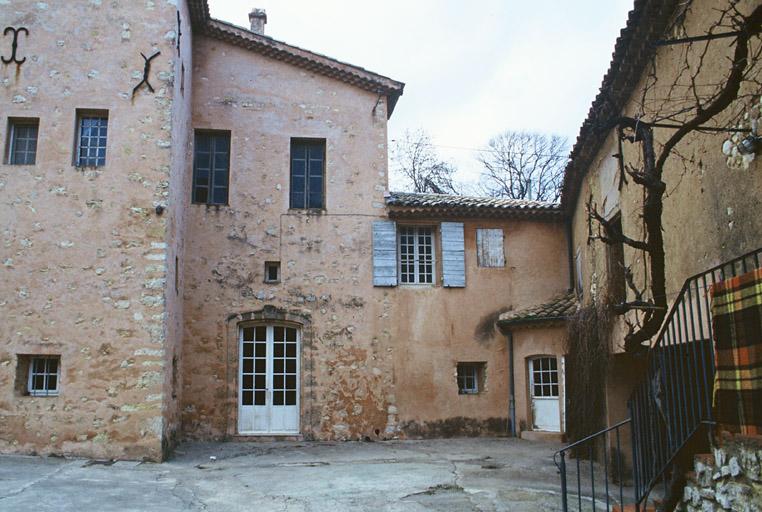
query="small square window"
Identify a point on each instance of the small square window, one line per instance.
(470, 378)
(42, 374)
(92, 134)
(272, 271)
(22, 141)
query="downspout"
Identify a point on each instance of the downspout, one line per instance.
(512, 385)
(570, 254)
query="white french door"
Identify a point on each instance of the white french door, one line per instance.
(544, 390)
(268, 380)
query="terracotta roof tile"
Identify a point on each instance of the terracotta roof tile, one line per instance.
(647, 22)
(559, 308)
(305, 59)
(419, 204)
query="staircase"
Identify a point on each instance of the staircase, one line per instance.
(669, 411)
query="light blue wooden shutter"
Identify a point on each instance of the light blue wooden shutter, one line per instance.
(453, 255)
(384, 253)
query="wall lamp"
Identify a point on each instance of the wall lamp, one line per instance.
(749, 145)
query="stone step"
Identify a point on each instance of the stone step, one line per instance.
(705, 458)
(631, 508)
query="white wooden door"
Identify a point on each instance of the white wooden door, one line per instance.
(268, 380)
(544, 390)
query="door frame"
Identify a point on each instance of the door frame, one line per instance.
(239, 377)
(560, 397)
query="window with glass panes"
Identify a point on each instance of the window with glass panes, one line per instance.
(43, 375)
(545, 377)
(469, 377)
(307, 173)
(22, 143)
(211, 167)
(92, 134)
(416, 255)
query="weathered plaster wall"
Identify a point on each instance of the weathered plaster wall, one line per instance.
(83, 252)
(710, 209)
(325, 258)
(375, 361)
(177, 207)
(434, 328)
(530, 342)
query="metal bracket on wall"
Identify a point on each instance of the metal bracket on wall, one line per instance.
(146, 71)
(14, 44)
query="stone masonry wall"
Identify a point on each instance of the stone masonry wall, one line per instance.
(84, 253)
(729, 479)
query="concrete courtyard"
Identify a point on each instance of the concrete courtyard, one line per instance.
(450, 474)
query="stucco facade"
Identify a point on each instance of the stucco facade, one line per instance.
(85, 253)
(710, 208)
(144, 298)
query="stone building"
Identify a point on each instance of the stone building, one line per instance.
(199, 243)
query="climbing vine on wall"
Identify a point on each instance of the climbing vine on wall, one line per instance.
(587, 356)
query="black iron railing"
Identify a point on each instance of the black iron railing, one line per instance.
(674, 402)
(578, 462)
(667, 408)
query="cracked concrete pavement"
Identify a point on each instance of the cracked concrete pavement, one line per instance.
(447, 475)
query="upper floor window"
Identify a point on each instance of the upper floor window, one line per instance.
(43, 375)
(307, 173)
(22, 141)
(416, 253)
(211, 167)
(92, 133)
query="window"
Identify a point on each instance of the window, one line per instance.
(92, 132)
(470, 378)
(416, 250)
(617, 284)
(43, 375)
(489, 248)
(307, 173)
(211, 164)
(22, 141)
(544, 377)
(272, 271)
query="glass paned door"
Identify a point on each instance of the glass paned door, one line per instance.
(544, 390)
(269, 380)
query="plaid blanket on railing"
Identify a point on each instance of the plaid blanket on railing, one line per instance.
(737, 326)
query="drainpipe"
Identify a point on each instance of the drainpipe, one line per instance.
(512, 385)
(570, 254)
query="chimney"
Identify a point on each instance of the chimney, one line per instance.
(258, 20)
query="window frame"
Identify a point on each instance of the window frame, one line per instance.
(548, 387)
(46, 376)
(268, 266)
(476, 376)
(81, 115)
(212, 172)
(416, 254)
(11, 141)
(295, 141)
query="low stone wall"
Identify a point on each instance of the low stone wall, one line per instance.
(728, 479)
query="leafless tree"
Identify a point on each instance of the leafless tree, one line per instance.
(416, 164)
(691, 101)
(522, 165)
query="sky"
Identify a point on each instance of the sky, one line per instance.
(471, 69)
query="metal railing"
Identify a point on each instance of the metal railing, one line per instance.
(675, 400)
(667, 408)
(605, 445)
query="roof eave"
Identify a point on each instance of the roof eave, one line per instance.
(305, 59)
